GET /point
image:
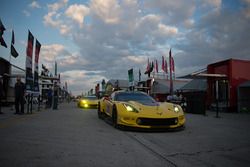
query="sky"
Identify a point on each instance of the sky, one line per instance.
(92, 40)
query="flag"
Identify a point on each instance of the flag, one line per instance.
(37, 51)
(152, 66)
(173, 68)
(2, 29)
(66, 86)
(13, 38)
(172, 63)
(13, 51)
(12, 48)
(29, 52)
(130, 75)
(148, 68)
(139, 74)
(170, 71)
(163, 64)
(3, 42)
(29, 49)
(156, 66)
(166, 66)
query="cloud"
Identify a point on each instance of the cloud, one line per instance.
(215, 3)
(49, 53)
(48, 20)
(215, 38)
(53, 17)
(136, 59)
(65, 29)
(167, 30)
(108, 10)
(26, 13)
(114, 36)
(174, 12)
(71, 67)
(34, 4)
(77, 13)
(58, 5)
(74, 59)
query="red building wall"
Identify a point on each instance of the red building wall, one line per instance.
(237, 72)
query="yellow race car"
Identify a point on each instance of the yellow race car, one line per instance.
(137, 109)
(88, 102)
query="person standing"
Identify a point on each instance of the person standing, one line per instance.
(49, 96)
(19, 95)
(55, 101)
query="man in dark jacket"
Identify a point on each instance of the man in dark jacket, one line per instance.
(19, 95)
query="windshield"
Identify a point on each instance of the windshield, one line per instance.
(90, 98)
(138, 97)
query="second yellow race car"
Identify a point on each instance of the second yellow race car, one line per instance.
(88, 102)
(137, 109)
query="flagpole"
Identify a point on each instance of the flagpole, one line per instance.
(10, 47)
(10, 58)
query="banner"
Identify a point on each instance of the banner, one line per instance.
(131, 77)
(55, 69)
(29, 53)
(37, 51)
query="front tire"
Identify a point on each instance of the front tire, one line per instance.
(114, 117)
(99, 113)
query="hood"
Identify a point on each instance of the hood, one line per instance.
(157, 109)
(144, 103)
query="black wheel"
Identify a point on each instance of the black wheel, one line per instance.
(99, 113)
(114, 117)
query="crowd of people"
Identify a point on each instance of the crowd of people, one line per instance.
(22, 97)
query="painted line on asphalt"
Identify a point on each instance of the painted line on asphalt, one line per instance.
(146, 146)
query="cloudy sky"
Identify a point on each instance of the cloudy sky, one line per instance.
(101, 39)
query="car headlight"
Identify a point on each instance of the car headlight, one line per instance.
(130, 108)
(176, 109)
